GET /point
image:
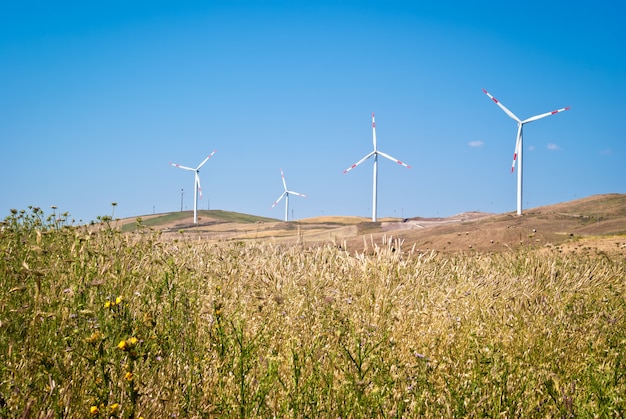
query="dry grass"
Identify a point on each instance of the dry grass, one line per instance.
(127, 325)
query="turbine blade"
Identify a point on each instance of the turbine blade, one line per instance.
(296, 193)
(387, 156)
(279, 198)
(182, 167)
(205, 160)
(543, 115)
(518, 143)
(282, 175)
(198, 185)
(504, 108)
(374, 131)
(360, 161)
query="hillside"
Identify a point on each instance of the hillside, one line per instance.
(598, 221)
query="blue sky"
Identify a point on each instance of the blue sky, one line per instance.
(96, 98)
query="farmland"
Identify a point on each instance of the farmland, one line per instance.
(519, 317)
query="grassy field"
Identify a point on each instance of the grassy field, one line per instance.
(99, 323)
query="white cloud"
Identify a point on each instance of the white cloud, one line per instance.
(553, 147)
(476, 143)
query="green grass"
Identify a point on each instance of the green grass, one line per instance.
(235, 216)
(110, 324)
(186, 216)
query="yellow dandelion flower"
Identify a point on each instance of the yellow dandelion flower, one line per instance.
(93, 410)
(122, 345)
(132, 341)
(119, 300)
(109, 304)
(114, 407)
(129, 376)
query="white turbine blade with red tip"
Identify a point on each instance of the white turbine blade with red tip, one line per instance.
(279, 198)
(205, 160)
(394, 159)
(518, 143)
(543, 115)
(198, 184)
(504, 108)
(359, 162)
(282, 175)
(182, 167)
(296, 193)
(374, 131)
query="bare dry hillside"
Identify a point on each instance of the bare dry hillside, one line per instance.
(597, 222)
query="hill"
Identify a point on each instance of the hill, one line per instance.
(598, 221)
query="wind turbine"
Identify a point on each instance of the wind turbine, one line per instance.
(375, 153)
(517, 154)
(197, 190)
(286, 196)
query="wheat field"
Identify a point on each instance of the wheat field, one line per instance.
(99, 323)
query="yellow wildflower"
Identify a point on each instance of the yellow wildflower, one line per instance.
(93, 410)
(114, 408)
(127, 344)
(111, 304)
(129, 376)
(94, 338)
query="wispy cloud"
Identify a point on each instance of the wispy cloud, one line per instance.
(606, 152)
(476, 143)
(553, 147)
(531, 148)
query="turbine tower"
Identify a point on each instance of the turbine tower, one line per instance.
(375, 153)
(197, 190)
(517, 154)
(285, 195)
